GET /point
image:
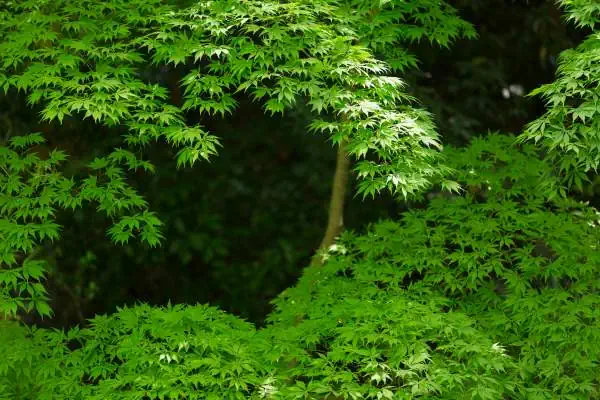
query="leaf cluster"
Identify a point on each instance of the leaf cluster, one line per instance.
(491, 294)
(32, 190)
(516, 271)
(568, 131)
(87, 59)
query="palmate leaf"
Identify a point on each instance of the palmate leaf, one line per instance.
(32, 189)
(308, 56)
(272, 71)
(506, 275)
(486, 296)
(83, 59)
(568, 130)
(385, 315)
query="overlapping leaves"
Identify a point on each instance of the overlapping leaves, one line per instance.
(569, 130)
(519, 271)
(191, 352)
(85, 59)
(88, 59)
(488, 295)
(33, 189)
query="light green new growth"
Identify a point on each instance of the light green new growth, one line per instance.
(491, 294)
(570, 130)
(88, 60)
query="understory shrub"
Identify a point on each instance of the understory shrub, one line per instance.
(492, 294)
(516, 271)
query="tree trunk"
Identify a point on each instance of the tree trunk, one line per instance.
(335, 222)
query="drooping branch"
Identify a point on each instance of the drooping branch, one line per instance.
(335, 220)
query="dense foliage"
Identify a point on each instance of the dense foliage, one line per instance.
(273, 183)
(81, 59)
(491, 294)
(488, 290)
(495, 270)
(569, 130)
